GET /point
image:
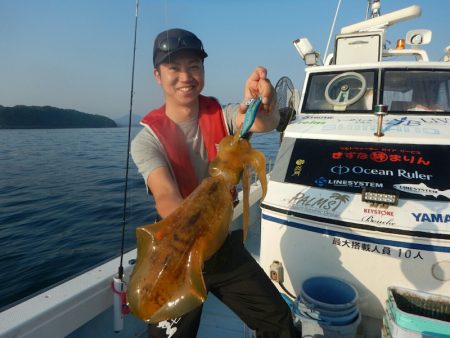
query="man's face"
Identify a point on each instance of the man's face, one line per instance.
(182, 78)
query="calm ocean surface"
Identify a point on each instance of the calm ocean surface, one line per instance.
(61, 203)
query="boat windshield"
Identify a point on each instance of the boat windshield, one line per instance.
(421, 91)
(340, 91)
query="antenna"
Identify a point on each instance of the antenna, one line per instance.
(332, 29)
(375, 8)
(384, 20)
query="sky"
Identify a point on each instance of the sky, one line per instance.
(77, 54)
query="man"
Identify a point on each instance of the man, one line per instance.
(172, 153)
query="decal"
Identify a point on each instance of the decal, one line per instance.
(429, 217)
(370, 127)
(376, 248)
(381, 212)
(169, 326)
(349, 167)
(405, 120)
(315, 117)
(395, 122)
(380, 157)
(434, 120)
(414, 174)
(404, 247)
(322, 182)
(379, 217)
(373, 220)
(328, 205)
(342, 170)
(298, 167)
(419, 122)
(422, 189)
(312, 122)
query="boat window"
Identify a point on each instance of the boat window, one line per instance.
(340, 91)
(421, 91)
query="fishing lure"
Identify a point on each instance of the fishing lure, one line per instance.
(250, 115)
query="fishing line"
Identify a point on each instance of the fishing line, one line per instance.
(166, 22)
(124, 217)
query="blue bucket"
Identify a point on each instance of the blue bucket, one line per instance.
(328, 304)
(328, 294)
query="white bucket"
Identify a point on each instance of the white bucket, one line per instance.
(312, 328)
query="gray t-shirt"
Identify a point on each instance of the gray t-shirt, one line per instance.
(148, 153)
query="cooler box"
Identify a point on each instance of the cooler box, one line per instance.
(420, 312)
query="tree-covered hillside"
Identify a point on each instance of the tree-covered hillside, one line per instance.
(32, 117)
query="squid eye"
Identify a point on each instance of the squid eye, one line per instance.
(214, 171)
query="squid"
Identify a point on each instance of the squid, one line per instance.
(167, 280)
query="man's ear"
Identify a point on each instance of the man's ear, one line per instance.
(157, 75)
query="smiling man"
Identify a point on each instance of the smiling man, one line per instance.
(173, 151)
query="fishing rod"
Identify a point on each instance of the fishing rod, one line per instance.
(118, 285)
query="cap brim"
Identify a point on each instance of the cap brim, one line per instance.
(164, 57)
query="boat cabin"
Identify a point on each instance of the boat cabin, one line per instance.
(360, 188)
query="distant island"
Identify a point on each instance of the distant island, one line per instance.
(124, 120)
(47, 117)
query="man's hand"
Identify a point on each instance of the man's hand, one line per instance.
(256, 85)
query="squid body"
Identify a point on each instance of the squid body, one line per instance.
(167, 280)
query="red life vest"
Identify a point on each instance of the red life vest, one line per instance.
(212, 126)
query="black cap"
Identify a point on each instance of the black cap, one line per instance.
(175, 40)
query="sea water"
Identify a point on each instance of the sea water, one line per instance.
(61, 203)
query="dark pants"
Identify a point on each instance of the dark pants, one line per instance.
(235, 278)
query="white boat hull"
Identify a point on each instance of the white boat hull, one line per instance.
(370, 260)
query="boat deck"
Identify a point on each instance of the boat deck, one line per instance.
(82, 306)
(217, 319)
(220, 322)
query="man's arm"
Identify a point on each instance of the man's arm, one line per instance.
(152, 164)
(164, 190)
